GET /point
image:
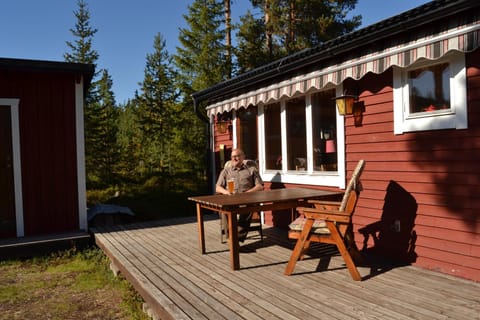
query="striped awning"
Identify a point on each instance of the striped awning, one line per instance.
(460, 36)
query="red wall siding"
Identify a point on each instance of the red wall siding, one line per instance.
(434, 180)
(48, 150)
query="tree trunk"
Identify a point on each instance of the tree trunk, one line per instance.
(228, 39)
(268, 29)
(291, 28)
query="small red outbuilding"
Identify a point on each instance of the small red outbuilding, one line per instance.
(42, 171)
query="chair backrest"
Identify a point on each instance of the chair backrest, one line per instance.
(354, 184)
(247, 162)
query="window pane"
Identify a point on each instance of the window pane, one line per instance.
(247, 132)
(273, 137)
(296, 135)
(429, 88)
(324, 128)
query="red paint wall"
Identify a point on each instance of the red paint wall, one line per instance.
(48, 150)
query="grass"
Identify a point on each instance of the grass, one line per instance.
(67, 285)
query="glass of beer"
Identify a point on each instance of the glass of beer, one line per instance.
(231, 185)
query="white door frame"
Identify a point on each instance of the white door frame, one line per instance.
(17, 163)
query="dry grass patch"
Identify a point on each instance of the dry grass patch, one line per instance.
(67, 285)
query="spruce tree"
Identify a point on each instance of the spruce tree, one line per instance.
(201, 56)
(106, 148)
(81, 51)
(201, 62)
(158, 109)
(129, 141)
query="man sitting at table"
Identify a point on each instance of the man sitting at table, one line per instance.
(246, 178)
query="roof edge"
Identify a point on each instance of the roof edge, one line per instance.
(86, 69)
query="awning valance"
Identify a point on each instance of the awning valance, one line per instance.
(462, 37)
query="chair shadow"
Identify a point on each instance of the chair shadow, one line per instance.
(375, 263)
(393, 236)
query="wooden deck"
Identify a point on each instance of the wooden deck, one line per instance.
(163, 261)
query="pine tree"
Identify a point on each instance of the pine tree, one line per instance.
(228, 37)
(251, 39)
(312, 22)
(290, 26)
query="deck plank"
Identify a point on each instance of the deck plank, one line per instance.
(162, 260)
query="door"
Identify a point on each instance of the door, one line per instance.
(7, 194)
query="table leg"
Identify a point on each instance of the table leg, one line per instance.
(233, 236)
(201, 231)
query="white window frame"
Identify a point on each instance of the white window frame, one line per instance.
(309, 176)
(453, 118)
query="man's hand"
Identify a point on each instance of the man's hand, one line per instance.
(221, 190)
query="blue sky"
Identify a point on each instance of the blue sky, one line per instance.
(38, 29)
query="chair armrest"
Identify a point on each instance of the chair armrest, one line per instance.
(331, 205)
(327, 215)
(301, 210)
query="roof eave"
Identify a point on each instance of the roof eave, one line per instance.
(84, 69)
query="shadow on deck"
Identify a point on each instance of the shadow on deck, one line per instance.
(162, 260)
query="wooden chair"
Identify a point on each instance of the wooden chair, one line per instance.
(255, 221)
(329, 222)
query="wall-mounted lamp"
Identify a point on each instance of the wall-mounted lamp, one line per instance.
(345, 103)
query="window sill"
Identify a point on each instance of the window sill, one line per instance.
(317, 178)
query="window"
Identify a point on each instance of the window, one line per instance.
(273, 138)
(301, 140)
(296, 135)
(324, 131)
(431, 95)
(429, 88)
(247, 131)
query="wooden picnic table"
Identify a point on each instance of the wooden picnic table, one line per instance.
(244, 203)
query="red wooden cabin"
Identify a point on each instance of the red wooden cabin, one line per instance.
(416, 122)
